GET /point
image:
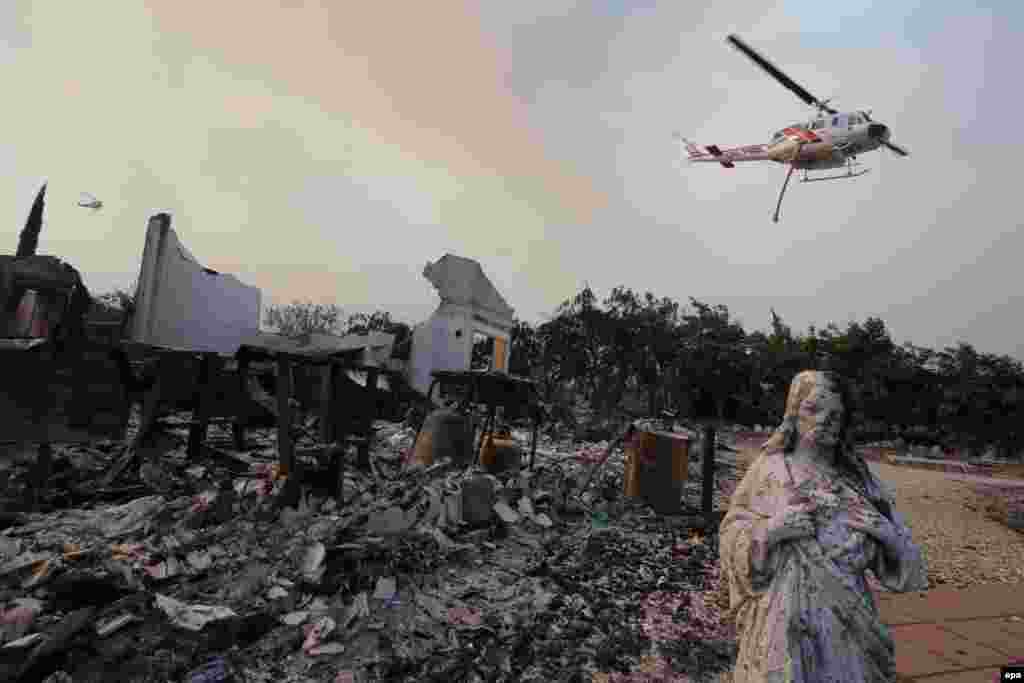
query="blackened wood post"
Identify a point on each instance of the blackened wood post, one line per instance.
(533, 442)
(43, 471)
(337, 428)
(28, 241)
(284, 415)
(372, 375)
(200, 407)
(487, 429)
(337, 460)
(242, 417)
(151, 404)
(708, 472)
(147, 418)
(326, 396)
(368, 415)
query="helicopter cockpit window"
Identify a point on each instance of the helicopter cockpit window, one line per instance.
(835, 121)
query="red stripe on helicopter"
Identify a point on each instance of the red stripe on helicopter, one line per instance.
(802, 134)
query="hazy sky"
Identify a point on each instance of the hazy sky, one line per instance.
(327, 150)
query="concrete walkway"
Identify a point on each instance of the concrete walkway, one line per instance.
(981, 479)
(968, 478)
(955, 636)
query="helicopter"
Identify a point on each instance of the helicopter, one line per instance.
(830, 140)
(89, 201)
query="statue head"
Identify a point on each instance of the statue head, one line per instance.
(818, 410)
(817, 414)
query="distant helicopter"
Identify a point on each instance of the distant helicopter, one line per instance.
(88, 201)
(832, 139)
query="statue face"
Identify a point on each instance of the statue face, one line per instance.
(815, 409)
(820, 415)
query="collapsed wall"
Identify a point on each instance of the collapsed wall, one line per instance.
(470, 304)
(182, 305)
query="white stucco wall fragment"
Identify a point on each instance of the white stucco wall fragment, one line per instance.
(182, 305)
(469, 303)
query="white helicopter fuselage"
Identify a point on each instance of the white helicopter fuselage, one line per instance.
(828, 141)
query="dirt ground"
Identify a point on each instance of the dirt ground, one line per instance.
(962, 545)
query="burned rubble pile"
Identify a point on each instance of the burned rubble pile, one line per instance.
(204, 571)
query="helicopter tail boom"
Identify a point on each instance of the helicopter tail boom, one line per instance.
(725, 157)
(717, 153)
(713, 153)
(692, 150)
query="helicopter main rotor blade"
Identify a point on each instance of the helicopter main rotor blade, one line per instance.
(777, 74)
(896, 148)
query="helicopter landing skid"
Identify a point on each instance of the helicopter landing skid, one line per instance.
(839, 176)
(850, 173)
(851, 165)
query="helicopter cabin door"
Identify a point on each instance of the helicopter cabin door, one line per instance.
(820, 128)
(838, 127)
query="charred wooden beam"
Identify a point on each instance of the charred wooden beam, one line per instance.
(372, 374)
(238, 428)
(28, 241)
(209, 369)
(708, 473)
(327, 374)
(284, 415)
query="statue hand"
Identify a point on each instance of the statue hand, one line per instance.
(792, 523)
(871, 522)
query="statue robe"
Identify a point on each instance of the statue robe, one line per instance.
(803, 609)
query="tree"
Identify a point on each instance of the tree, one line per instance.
(658, 346)
(996, 401)
(703, 362)
(780, 359)
(622, 356)
(715, 354)
(113, 305)
(573, 342)
(117, 305)
(378, 321)
(299, 318)
(583, 328)
(525, 350)
(958, 369)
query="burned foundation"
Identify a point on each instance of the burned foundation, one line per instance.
(198, 554)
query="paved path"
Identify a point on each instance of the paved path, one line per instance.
(946, 635)
(979, 479)
(969, 478)
(955, 636)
